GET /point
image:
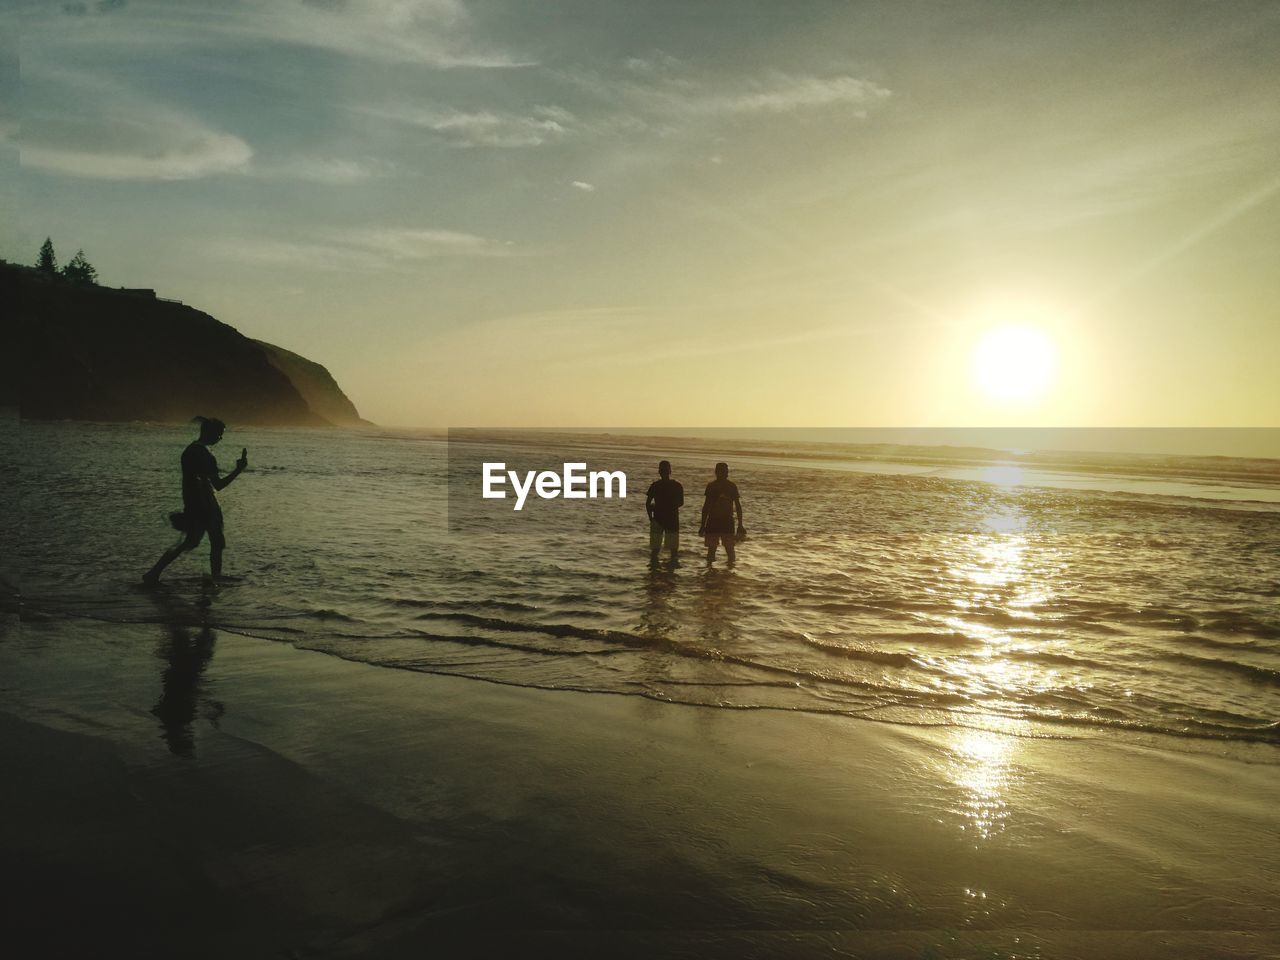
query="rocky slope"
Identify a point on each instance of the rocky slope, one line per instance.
(95, 353)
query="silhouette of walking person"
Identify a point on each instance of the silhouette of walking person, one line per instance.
(200, 511)
(718, 510)
(663, 503)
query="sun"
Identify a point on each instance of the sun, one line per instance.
(1014, 363)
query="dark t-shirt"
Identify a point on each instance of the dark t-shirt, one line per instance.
(668, 498)
(721, 496)
(198, 469)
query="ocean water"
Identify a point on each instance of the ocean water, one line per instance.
(1051, 595)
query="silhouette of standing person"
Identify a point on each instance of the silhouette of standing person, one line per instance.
(200, 511)
(663, 503)
(718, 510)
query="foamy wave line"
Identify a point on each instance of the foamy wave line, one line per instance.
(960, 710)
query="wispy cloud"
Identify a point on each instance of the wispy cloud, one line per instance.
(361, 249)
(559, 337)
(485, 128)
(618, 337)
(117, 134)
(656, 93)
(328, 171)
(656, 62)
(295, 254)
(583, 186)
(190, 153)
(434, 33)
(661, 91)
(786, 93)
(413, 243)
(113, 133)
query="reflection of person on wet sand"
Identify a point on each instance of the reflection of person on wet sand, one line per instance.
(718, 510)
(185, 658)
(200, 511)
(719, 615)
(663, 503)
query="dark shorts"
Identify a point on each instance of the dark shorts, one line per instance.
(660, 535)
(196, 523)
(712, 539)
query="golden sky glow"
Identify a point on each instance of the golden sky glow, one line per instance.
(634, 214)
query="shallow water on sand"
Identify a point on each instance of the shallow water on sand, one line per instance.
(1077, 670)
(309, 802)
(919, 591)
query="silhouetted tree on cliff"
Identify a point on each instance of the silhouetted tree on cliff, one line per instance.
(47, 262)
(80, 270)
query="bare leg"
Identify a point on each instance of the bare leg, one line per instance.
(166, 558)
(728, 551)
(217, 543)
(190, 542)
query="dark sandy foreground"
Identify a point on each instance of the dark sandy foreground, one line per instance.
(184, 792)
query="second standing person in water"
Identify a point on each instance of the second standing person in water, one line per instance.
(718, 510)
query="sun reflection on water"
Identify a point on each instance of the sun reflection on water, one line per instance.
(1003, 475)
(1000, 579)
(996, 576)
(996, 562)
(980, 766)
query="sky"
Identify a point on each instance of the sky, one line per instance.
(682, 214)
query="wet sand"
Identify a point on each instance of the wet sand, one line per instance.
(177, 791)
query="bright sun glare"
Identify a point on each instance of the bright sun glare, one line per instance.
(1014, 363)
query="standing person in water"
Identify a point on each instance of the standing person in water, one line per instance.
(663, 503)
(718, 510)
(200, 511)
